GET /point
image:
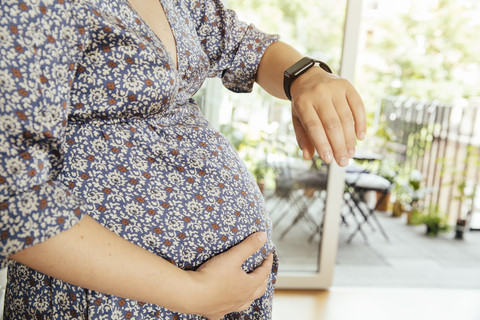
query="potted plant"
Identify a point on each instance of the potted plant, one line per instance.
(410, 194)
(388, 169)
(259, 170)
(466, 196)
(460, 178)
(434, 220)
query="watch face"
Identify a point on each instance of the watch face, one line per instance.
(299, 67)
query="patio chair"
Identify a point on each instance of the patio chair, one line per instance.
(285, 169)
(301, 191)
(359, 188)
(362, 186)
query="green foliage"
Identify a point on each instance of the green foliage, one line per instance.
(388, 169)
(435, 220)
(429, 56)
(426, 53)
(431, 216)
(416, 217)
(410, 192)
(252, 150)
(314, 27)
(459, 175)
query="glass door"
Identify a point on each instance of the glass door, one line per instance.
(303, 197)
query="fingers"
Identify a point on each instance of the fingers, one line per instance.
(330, 123)
(324, 130)
(345, 116)
(257, 281)
(260, 278)
(247, 247)
(358, 110)
(262, 273)
(334, 130)
(303, 140)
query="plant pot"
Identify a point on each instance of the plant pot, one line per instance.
(397, 209)
(309, 192)
(382, 205)
(432, 230)
(409, 217)
(460, 229)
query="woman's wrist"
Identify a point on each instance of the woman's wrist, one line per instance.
(314, 72)
(194, 293)
(200, 293)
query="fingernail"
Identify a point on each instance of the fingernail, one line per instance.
(361, 136)
(343, 161)
(305, 155)
(351, 153)
(328, 157)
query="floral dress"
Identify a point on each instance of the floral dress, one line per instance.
(95, 119)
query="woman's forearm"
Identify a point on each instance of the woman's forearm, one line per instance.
(90, 256)
(276, 59)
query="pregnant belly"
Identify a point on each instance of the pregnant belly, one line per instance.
(178, 191)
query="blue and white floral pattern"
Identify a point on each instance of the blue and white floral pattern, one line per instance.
(96, 119)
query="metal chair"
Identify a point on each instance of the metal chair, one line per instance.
(300, 189)
(358, 187)
(362, 184)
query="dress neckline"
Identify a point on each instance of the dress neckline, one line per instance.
(173, 57)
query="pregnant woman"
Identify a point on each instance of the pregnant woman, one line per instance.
(118, 200)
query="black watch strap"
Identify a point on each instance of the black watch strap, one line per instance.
(298, 69)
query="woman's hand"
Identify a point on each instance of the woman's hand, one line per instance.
(328, 115)
(223, 287)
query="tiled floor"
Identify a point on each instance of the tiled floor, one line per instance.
(409, 259)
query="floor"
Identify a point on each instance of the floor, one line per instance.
(409, 259)
(346, 303)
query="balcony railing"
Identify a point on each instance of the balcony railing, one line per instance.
(443, 143)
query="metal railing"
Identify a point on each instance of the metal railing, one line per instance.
(443, 143)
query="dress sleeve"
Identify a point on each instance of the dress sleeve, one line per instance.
(40, 42)
(234, 48)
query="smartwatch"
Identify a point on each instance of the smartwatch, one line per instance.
(298, 69)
